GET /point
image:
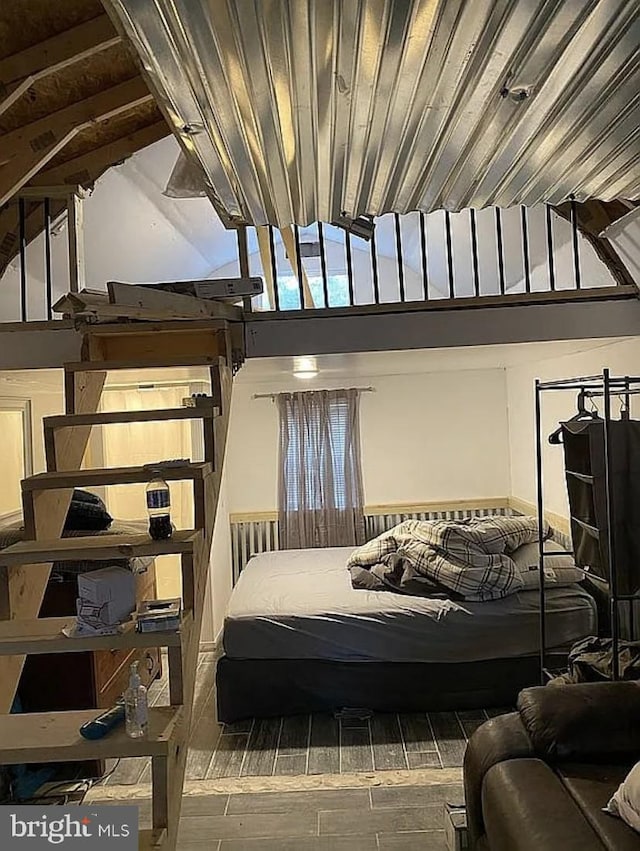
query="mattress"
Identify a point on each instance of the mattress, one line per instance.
(299, 604)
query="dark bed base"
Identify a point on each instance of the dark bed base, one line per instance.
(261, 688)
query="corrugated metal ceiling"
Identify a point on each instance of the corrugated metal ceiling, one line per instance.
(303, 109)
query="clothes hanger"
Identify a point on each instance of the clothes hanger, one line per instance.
(555, 438)
(625, 414)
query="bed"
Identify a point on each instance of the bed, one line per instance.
(298, 638)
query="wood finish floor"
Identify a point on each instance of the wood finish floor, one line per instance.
(389, 818)
(298, 745)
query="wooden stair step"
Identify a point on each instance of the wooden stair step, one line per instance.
(113, 476)
(55, 737)
(44, 635)
(148, 840)
(98, 548)
(156, 362)
(113, 417)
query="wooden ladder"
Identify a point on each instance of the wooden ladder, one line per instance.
(25, 567)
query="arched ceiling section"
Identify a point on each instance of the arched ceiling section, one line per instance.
(300, 111)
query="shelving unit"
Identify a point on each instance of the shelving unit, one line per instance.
(599, 506)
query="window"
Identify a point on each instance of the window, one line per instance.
(289, 291)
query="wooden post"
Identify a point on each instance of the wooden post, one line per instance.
(160, 791)
(264, 244)
(76, 242)
(188, 588)
(5, 599)
(176, 686)
(243, 258)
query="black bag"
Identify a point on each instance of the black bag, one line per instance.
(87, 512)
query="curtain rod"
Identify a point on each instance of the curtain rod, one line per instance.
(273, 395)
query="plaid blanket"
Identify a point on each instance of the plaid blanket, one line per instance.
(465, 559)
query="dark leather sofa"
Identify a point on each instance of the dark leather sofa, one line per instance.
(537, 779)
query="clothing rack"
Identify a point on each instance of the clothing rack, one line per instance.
(594, 386)
(273, 396)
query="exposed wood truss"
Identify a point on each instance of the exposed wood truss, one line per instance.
(72, 104)
(20, 71)
(28, 149)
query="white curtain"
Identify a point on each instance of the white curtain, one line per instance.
(320, 492)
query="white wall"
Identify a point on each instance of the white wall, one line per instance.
(622, 357)
(625, 238)
(44, 389)
(220, 585)
(425, 437)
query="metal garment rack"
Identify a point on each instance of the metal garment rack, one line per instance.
(592, 386)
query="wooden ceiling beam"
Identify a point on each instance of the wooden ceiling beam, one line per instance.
(85, 169)
(21, 70)
(27, 150)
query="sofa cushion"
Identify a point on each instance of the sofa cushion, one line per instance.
(583, 722)
(591, 786)
(525, 806)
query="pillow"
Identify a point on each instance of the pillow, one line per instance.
(559, 570)
(625, 803)
(87, 512)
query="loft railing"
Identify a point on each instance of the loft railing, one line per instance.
(34, 218)
(408, 259)
(420, 258)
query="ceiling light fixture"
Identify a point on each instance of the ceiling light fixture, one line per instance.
(305, 368)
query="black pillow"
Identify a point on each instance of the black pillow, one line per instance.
(87, 512)
(86, 496)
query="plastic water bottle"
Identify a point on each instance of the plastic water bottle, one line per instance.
(136, 706)
(159, 507)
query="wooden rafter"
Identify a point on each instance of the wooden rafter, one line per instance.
(85, 169)
(21, 70)
(27, 150)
